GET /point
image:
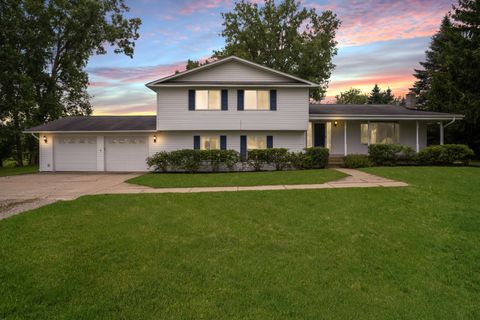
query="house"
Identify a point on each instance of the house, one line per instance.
(228, 104)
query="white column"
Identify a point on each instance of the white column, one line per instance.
(441, 133)
(100, 153)
(369, 131)
(416, 138)
(345, 137)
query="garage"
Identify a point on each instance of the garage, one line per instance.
(126, 153)
(75, 153)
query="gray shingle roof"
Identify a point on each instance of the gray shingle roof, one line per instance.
(99, 123)
(375, 111)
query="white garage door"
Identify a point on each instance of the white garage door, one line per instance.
(128, 153)
(75, 153)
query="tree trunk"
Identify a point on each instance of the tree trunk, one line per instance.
(18, 153)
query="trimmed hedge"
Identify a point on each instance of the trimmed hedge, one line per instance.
(316, 158)
(191, 160)
(389, 154)
(446, 154)
(354, 161)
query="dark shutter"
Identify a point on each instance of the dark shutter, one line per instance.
(223, 142)
(240, 95)
(196, 142)
(269, 141)
(273, 100)
(191, 99)
(225, 99)
(243, 147)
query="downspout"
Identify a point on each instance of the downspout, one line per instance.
(33, 135)
(442, 128)
(451, 122)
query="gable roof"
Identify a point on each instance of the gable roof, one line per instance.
(98, 124)
(375, 112)
(167, 81)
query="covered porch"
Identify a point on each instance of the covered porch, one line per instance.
(350, 129)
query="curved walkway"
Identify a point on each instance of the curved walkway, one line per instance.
(26, 192)
(356, 179)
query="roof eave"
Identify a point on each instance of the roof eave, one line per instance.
(383, 117)
(87, 131)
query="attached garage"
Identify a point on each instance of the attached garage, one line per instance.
(126, 153)
(75, 153)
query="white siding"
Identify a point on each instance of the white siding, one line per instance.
(175, 140)
(100, 153)
(291, 113)
(46, 153)
(233, 71)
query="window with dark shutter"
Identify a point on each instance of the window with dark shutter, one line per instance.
(196, 142)
(269, 142)
(273, 100)
(223, 142)
(191, 100)
(224, 100)
(240, 98)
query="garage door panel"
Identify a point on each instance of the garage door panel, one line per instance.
(75, 153)
(126, 153)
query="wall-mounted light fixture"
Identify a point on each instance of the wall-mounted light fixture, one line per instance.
(45, 139)
(154, 138)
(335, 123)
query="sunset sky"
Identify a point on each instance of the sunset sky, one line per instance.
(380, 41)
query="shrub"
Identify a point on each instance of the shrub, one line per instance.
(386, 154)
(357, 161)
(159, 161)
(315, 158)
(186, 159)
(257, 158)
(297, 160)
(215, 158)
(445, 154)
(279, 157)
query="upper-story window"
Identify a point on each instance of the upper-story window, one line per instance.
(257, 100)
(207, 99)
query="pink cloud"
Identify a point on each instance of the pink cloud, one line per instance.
(377, 20)
(195, 6)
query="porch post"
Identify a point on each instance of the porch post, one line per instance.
(441, 133)
(369, 132)
(345, 137)
(416, 136)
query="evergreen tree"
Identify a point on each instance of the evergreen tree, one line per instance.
(375, 95)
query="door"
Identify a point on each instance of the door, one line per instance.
(126, 153)
(319, 135)
(75, 153)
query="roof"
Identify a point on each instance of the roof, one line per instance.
(375, 111)
(98, 124)
(295, 81)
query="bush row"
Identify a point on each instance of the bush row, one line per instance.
(393, 154)
(279, 158)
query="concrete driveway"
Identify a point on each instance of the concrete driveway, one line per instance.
(29, 191)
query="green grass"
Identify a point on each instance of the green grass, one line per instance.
(13, 171)
(177, 180)
(366, 253)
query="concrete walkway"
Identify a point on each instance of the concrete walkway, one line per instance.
(356, 179)
(30, 191)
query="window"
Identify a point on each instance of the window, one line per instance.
(207, 99)
(256, 142)
(380, 133)
(257, 100)
(209, 143)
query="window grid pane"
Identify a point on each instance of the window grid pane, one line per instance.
(256, 142)
(250, 99)
(383, 133)
(201, 99)
(364, 133)
(263, 101)
(209, 143)
(214, 99)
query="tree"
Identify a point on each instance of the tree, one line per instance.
(377, 96)
(283, 37)
(450, 78)
(45, 48)
(352, 96)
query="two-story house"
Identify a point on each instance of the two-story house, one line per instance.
(228, 104)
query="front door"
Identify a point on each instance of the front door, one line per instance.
(319, 135)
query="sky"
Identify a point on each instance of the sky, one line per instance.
(379, 41)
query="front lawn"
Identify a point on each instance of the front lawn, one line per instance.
(230, 179)
(365, 253)
(13, 171)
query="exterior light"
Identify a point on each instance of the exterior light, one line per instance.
(45, 139)
(335, 123)
(154, 138)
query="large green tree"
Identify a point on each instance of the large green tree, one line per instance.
(450, 78)
(352, 96)
(46, 45)
(377, 96)
(285, 37)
